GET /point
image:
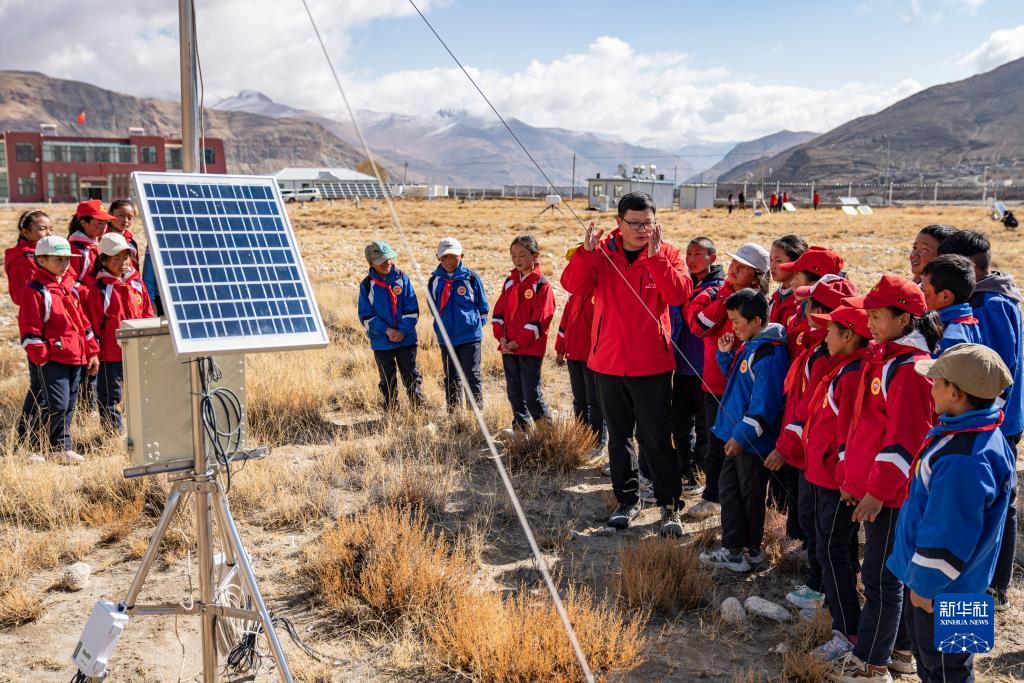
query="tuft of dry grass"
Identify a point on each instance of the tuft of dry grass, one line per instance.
(557, 447)
(287, 396)
(660, 575)
(17, 607)
(798, 664)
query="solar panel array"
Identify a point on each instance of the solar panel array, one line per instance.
(352, 189)
(229, 271)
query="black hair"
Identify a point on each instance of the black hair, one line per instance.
(75, 225)
(864, 341)
(951, 272)
(940, 232)
(977, 402)
(118, 203)
(528, 242)
(706, 244)
(972, 244)
(636, 201)
(811, 276)
(750, 304)
(793, 245)
(101, 263)
(28, 218)
(928, 325)
(815, 306)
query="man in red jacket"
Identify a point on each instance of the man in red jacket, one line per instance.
(635, 277)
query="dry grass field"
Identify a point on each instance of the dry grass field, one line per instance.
(389, 542)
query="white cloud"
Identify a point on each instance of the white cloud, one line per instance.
(1001, 47)
(965, 6)
(267, 45)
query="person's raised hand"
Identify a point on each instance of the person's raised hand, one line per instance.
(593, 236)
(654, 245)
(726, 342)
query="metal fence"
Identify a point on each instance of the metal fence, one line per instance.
(876, 194)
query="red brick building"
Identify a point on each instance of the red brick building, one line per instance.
(36, 168)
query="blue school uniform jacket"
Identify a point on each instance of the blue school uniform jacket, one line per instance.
(461, 302)
(951, 525)
(960, 327)
(691, 360)
(752, 405)
(388, 302)
(996, 305)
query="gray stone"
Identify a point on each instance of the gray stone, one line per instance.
(76, 576)
(732, 611)
(766, 609)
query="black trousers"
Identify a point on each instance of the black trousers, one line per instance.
(715, 452)
(522, 385)
(784, 496)
(934, 666)
(1007, 551)
(837, 547)
(807, 512)
(468, 356)
(689, 428)
(51, 401)
(586, 405)
(640, 405)
(881, 629)
(742, 493)
(394, 362)
(109, 389)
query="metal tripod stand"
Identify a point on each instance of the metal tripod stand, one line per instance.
(211, 503)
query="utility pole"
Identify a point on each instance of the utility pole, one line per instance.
(572, 183)
(405, 172)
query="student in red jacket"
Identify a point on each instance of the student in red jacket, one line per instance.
(118, 295)
(783, 303)
(123, 216)
(892, 415)
(635, 277)
(19, 260)
(84, 231)
(521, 318)
(708, 318)
(60, 345)
(572, 348)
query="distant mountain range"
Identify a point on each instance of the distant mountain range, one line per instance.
(947, 133)
(744, 152)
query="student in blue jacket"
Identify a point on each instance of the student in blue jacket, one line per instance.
(388, 309)
(458, 294)
(748, 422)
(996, 305)
(948, 282)
(951, 526)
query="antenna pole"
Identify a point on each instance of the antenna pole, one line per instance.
(189, 61)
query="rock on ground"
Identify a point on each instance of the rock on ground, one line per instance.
(732, 611)
(766, 609)
(76, 576)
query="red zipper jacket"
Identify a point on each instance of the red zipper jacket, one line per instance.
(89, 250)
(893, 412)
(20, 267)
(798, 328)
(624, 340)
(524, 311)
(707, 319)
(574, 328)
(803, 376)
(782, 306)
(112, 301)
(52, 323)
(829, 406)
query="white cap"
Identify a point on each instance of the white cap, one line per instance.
(753, 255)
(449, 245)
(113, 243)
(54, 245)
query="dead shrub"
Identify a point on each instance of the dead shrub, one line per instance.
(286, 397)
(17, 607)
(114, 521)
(388, 561)
(798, 664)
(558, 447)
(522, 638)
(706, 535)
(659, 574)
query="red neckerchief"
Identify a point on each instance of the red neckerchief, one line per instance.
(966, 320)
(822, 389)
(391, 293)
(518, 281)
(795, 372)
(445, 294)
(736, 356)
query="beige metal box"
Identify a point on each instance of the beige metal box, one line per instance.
(158, 403)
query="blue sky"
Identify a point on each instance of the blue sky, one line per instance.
(665, 72)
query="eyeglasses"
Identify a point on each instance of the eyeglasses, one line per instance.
(643, 225)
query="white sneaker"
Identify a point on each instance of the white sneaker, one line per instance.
(834, 649)
(805, 598)
(721, 557)
(755, 559)
(68, 457)
(703, 510)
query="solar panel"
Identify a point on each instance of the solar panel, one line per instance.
(228, 267)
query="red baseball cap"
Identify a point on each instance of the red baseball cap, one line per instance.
(895, 291)
(817, 260)
(855, 319)
(829, 291)
(93, 209)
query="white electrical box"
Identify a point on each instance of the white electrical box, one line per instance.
(99, 639)
(157, 393)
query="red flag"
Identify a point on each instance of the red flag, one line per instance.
(81, 118)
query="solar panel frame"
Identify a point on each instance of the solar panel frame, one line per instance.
(267, 255)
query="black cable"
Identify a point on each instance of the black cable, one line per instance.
(221, 413)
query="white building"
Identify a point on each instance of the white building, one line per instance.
(696, 196)
(333, 183)
(604, 193)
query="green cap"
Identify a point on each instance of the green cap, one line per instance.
(379, 251)
(973, 368)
